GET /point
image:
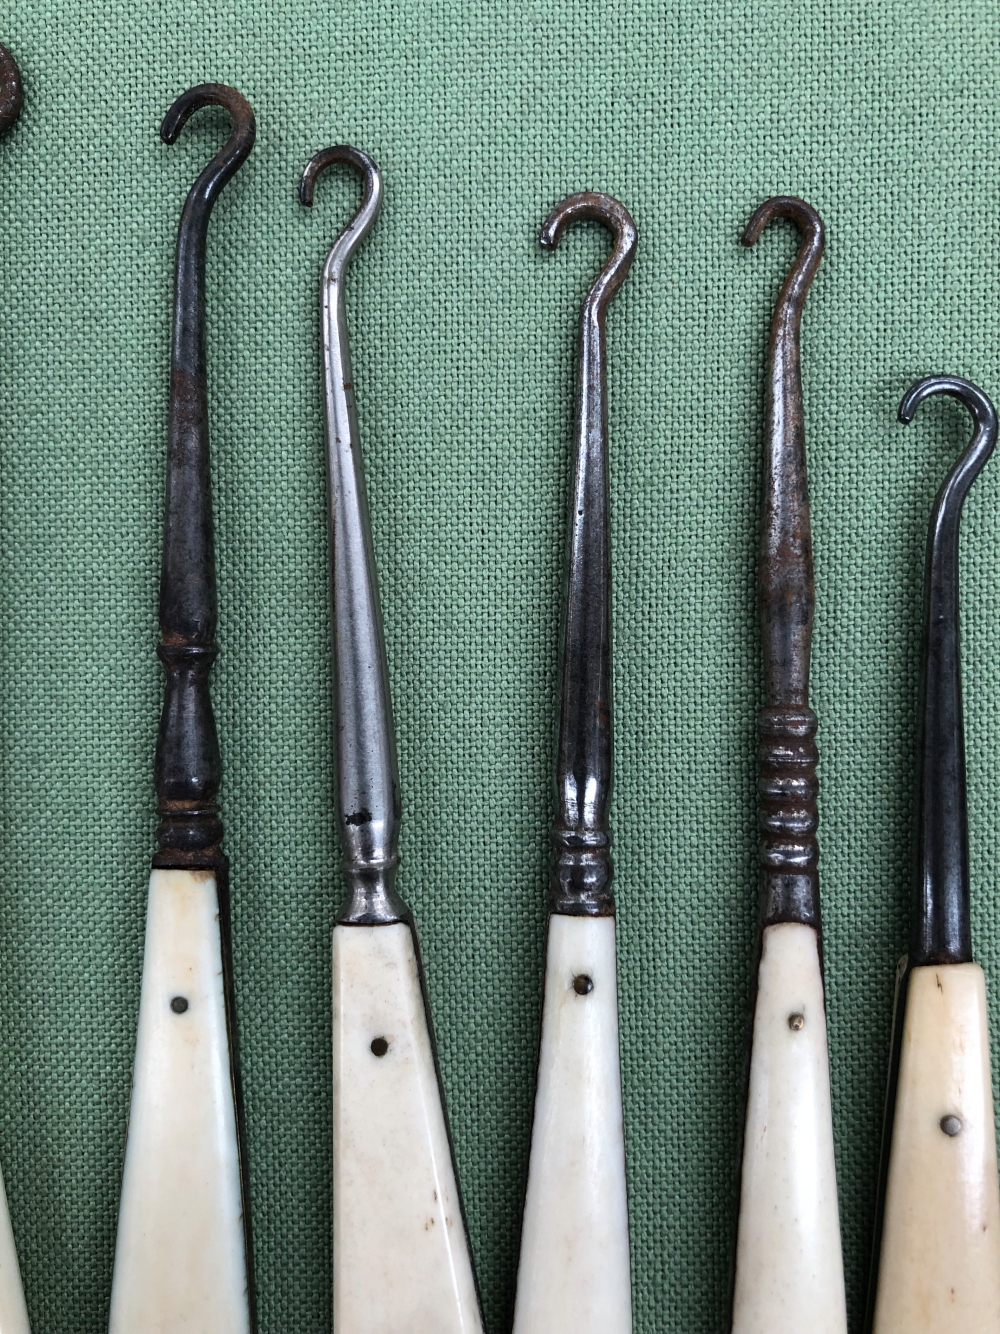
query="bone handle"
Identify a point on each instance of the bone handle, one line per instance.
(400, 1253)
(574, 1274)
(180, 1260)
(939, 1270)
(13, 1311)
(789, 1269)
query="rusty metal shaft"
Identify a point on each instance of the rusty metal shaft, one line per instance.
(787, 784)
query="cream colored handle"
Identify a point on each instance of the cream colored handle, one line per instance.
(13, 1311)
(789, 1266)
(400, 1255)
(180, 1256)
(939, 1266)
(574, 1273)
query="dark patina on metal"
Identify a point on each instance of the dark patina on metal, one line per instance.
(11, 91)
(787, 755)
(582, 870)
(188, 766)
(940, 923)
(941, 930)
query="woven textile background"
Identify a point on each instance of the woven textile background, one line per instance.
(481, 116)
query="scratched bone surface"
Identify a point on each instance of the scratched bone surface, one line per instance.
(180, 1263)
(481, 116)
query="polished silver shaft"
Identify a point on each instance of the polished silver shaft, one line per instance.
(367, 775)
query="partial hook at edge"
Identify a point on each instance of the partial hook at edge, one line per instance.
(972, 459)
(803, 270)
(616, 217)
(237, 148)
(11, 91)
(367, 211)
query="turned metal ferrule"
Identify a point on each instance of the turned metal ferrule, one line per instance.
(941, 929)
(581, 840)
(367, 773)
(787, 756)
(188, 768)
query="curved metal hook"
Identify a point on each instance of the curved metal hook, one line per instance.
(11, 91)
(367, 771)
(796, 285)
(581, 840)
(941, 925)
(367, 211)
(972, 459)
(616, 217)
(787, 756)
(230, 157)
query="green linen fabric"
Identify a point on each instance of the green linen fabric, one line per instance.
(481, 115)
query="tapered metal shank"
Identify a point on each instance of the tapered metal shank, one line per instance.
(188, 766)
(582, 870)
(368, 807)
(941, 930)
(787, 755)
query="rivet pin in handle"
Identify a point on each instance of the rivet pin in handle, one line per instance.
(183, 1254)
(401, 1257)
(574, 1271)
(789, 1266)
(936, 1261)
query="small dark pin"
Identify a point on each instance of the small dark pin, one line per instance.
(379, 1046)
(951, 1125)
(179, 1004)
(796, 1022)
(583, 985)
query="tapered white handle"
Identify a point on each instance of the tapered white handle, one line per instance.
(574, 1272)
(180, 1258)
(939, 1267)
(401, 1261)
(789, 1265)
(13, 1311)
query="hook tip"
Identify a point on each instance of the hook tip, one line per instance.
(972, 398)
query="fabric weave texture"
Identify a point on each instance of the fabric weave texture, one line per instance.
(481, 116)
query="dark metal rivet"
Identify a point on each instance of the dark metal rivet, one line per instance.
(179, 1004)
(951, 1125)
(379, 1046)
(583, 985)
(796, 1021)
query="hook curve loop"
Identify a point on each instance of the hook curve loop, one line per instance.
(980, 408)
(941, 930)
(11, 90)
(233, 153)
(604, 208)
(361, 222)
(799, 278)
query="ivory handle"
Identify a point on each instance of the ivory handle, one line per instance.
(789, 1267)
(939, 1266)
(400, 1254)
(180, 1257)
(574, 1274)
(13, 1311)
